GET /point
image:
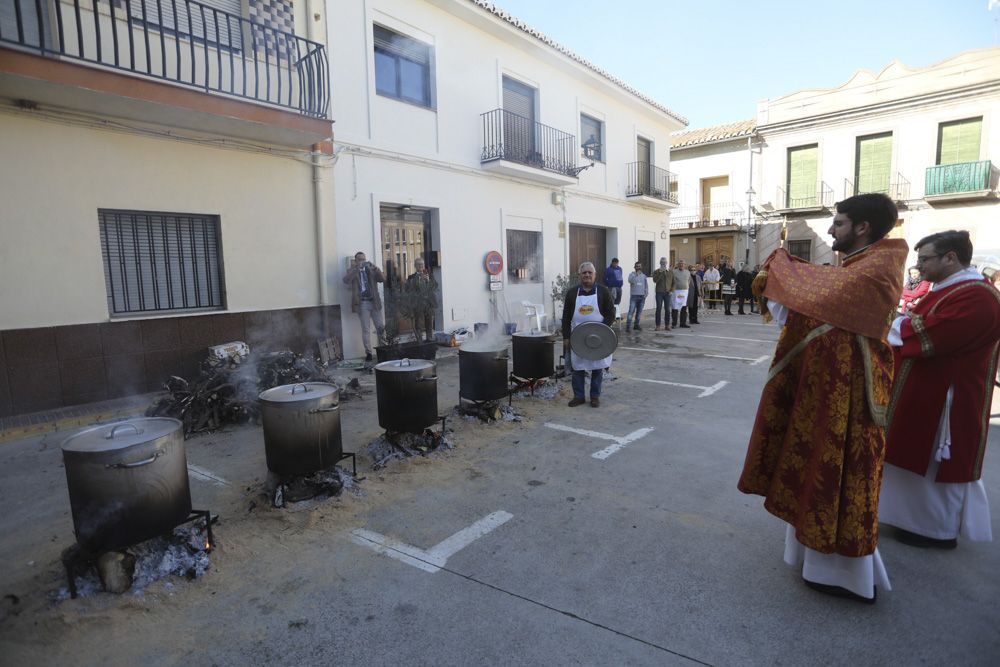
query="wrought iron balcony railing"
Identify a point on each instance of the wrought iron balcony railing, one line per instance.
(508, 136)
(897, 190)
(181, 41)
(643, 179)
(713, 215)
(819, 197)
(958, 178)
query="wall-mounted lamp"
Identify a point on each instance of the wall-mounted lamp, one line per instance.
(591, 151)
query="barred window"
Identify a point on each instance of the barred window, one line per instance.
(524, 255)
(161, 262)
(801, 249)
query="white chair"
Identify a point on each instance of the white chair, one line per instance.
(537, 311)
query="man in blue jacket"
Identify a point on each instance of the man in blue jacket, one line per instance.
(613, 280)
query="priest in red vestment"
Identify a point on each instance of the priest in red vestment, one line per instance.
(946, 362)
(818, 442)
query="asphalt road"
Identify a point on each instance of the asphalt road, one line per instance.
(518, 547)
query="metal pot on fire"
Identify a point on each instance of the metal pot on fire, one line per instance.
(301, 427)
(534, 354)
(128, 482)
(482, 371)
(407, 394)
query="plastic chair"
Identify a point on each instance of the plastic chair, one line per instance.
(537, 311)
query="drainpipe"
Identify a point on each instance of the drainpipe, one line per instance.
(315, 20)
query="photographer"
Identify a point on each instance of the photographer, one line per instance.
(365, 299)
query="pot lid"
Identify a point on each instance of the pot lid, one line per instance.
(301, 391)
(534, 333)
(593, 340)
(404, 365)
(120, 435)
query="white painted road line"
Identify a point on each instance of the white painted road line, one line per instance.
(437, 556)
(619, 442)
(705, 391)
(207, 475)
(752, 340)
(751, 359)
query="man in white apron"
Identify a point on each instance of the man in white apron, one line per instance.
(586, 302)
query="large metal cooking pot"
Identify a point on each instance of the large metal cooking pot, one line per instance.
(127, 481)
(407, 394)
(482, 372)
(301, 427)
(534, 354)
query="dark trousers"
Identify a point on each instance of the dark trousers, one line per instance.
(747, 299)
(693, 312)
(727, 303)
(713, 297)
(616, 294)
(663, 302)
(596, 379)
(683, 312)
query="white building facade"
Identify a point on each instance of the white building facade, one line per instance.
(462, 131)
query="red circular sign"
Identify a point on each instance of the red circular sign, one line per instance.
(493, 263)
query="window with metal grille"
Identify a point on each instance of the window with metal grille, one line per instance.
(161, 262)
(592, 138)
(524, 256)
(802, 249)
(402, 67)
(215, 22)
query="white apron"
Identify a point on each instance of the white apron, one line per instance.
(587, 311)
(680, 299)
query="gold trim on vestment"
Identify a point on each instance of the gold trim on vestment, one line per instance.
(926, 345)
(897, 390)
(984, 417)
(878, 411)
(785, 360)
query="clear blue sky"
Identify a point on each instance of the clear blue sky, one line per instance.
(712, 60)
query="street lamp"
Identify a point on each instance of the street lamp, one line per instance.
(750, 195)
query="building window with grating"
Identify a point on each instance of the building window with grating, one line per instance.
(801, 249)
(402, 67)
(524, 256)
(161, 262)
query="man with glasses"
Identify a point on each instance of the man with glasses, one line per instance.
(818, 443)
(946, 362)
(586, 302)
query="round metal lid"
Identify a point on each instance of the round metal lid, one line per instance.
(404, 365)
(534, 333)
(593, 340)
(301, 391)
(120, 435)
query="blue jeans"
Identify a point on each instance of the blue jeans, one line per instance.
(663, 301)
(635, 304)
(596, 378)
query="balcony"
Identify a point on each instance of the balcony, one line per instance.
(960, 181)
(814, 200)
(898, 190)
(650, 185)
(182, 43)
(712, 218)
(518, 146)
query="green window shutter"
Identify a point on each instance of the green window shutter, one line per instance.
(959, 141)
(802, 175)
(873, 163)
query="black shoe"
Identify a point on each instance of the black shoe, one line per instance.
(684, 326)
(595, 402)
(838, 592)
(915, 540)
(637, 327)
(741, 312)
(576, 401)
(368, 356)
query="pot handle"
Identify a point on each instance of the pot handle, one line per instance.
(114, 431)
(330, 409)
(300, 384)
(137, 464)
(428, 378)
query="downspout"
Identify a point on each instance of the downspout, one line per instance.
(312, 19)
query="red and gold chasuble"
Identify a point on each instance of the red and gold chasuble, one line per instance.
(951, 340)
(818, 442)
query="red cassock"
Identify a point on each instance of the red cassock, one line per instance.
(951, 339)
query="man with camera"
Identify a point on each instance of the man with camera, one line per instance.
(363, 277)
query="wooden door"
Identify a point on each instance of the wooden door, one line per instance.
(588, 244)
(405, 236)
(715, 250)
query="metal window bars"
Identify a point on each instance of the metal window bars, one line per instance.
(516, 138)
(819, 197)
(897, 190)
(181, 41)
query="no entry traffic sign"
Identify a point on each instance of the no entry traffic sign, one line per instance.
(493, 263)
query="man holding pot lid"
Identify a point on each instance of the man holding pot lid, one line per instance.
(586, 302)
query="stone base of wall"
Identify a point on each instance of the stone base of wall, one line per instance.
(53, 367)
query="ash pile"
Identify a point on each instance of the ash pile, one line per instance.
(184, 553)
(547, 389)
(319, 486)
(230, 380)
(401, 445)
(489, 412)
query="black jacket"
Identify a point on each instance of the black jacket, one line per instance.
(744, 280)
(605, 303)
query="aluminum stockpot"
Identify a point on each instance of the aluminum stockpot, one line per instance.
(301, 427)
(128, 482)
(534, 354)
(483, 375)
(407, 394)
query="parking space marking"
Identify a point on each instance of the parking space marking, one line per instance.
(206, 475)
(433, 559)
(705, 391)
(753, 361)
(620, 442)
(752, 340)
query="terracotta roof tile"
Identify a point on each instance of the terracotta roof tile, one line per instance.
(712, 134)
